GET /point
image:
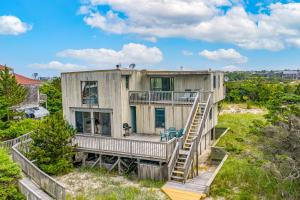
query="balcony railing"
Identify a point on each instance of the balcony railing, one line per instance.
(162, 97)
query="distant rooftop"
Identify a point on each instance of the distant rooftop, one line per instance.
(20, 78)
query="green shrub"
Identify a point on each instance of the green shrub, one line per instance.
(18, 128)
(9, 175)
(51, 145)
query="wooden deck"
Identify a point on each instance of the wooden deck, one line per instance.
(138, 147)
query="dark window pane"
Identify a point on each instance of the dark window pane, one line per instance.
(89, 92)
(162, 84)
(159, 118)
(127, 81)
(215, 82)
(83, 122)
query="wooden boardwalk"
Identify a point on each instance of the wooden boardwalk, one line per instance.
(193, 189)
(32, 191)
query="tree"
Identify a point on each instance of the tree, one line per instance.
(54, 97)
(51, 145)
(9, 175)
(11, 93)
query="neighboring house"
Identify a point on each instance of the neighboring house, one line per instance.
(107, 105)
(31, 104)
(291, 74)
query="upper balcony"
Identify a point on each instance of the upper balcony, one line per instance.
(167, 97)
(162, 97)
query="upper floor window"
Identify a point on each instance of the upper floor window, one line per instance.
(162, 84)
(159, 118)
(89, 92)
(215, 81)
(127, 81)
(219, 80)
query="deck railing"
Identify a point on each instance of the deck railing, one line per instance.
(162, 97)
(173, 159)
(46, 182)
(8, 144)
(128, 147)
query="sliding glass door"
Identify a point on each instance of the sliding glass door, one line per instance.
(102, 123)
(83, 122)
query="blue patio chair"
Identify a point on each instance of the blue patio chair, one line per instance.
(179, 133)
(163, 136)
(172, 132)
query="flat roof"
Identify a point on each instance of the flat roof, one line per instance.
(127, 71)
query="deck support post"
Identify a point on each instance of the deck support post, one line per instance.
(84, 159)
(160, 171)
(100, 160)
(138, 168)
(119, 166)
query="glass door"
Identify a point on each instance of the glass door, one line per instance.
(102, 123)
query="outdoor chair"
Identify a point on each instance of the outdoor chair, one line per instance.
(172, 132)
(179, 133)
(163, 136)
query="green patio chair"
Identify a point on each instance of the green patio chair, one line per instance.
(163, 136)
(179, 133)
(172, 132)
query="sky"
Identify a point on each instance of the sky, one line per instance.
(54, 36)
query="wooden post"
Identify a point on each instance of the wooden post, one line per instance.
(160, 171)
(119, 166)
(138, 168)
(84, 159)
(100, 161)
(197, 159)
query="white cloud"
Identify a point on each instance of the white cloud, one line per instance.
(130, 53)
(200, 19)
(231, 68)
(56, 65)
(226, 55)
(187, 53)
(11, 25)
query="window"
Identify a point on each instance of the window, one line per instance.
(162, 84)
(89, 92)
(215, 82)
(159, 118)
(210, 114)
(127, 81)
(83, 122)
(219, 81)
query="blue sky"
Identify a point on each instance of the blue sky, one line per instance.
(51, 36)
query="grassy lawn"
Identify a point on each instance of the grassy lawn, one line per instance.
(99, 184)
(243, 175)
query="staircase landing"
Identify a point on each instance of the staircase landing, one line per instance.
(193, 189)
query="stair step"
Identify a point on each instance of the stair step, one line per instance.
(179, 168)
(181, 163)
(177, 177)
(178, 172)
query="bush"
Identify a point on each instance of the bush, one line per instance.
(51, 145)
(18, 128)
(9, 175)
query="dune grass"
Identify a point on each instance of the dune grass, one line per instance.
(243, 175)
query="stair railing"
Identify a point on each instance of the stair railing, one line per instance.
(188, 165)
(173, 160)
(201, 127)
(190, 118)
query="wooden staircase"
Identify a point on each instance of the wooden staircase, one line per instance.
(181, 163)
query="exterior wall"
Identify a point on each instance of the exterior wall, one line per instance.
(113, 98)
(32, 98)
(109, 93)
(219, 91)
(175, 116)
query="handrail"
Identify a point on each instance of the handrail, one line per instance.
(162, 97)
(124, 146)
(190, 117)
(8, 144)
(173, 160)
(188, 163)
(46, 182)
